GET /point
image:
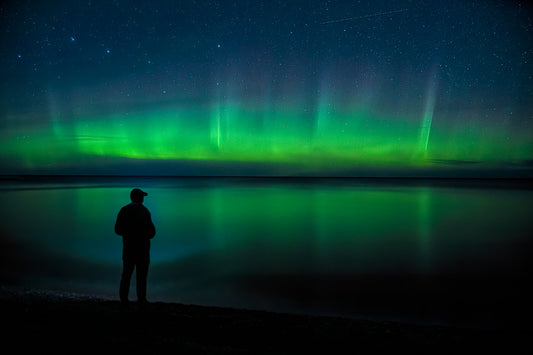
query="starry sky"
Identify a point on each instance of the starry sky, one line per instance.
(358, 88)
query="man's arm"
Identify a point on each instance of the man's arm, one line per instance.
(119, 224)
(150, 228)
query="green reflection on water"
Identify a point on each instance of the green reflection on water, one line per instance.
(350, 247)
(277, 228)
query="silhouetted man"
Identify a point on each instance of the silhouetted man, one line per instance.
(134, 224)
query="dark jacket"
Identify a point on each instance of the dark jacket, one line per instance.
(134, 224)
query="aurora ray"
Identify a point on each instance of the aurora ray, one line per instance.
(427, 118)
(205, 92)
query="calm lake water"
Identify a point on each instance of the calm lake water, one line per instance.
(425, 250)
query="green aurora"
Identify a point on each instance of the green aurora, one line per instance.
(315, 141)
(278, 88)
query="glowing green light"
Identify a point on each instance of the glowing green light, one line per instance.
(329, 137)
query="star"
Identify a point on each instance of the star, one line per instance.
(107, 51)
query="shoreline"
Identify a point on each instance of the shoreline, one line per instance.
(66, 322)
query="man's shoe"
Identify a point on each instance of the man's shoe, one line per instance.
(125, 305)
(143, 303)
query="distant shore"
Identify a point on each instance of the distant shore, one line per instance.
(64, 322)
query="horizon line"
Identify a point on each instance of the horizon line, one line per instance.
(275, 176)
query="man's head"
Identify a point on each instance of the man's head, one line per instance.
(137, 195)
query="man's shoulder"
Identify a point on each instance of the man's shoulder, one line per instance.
(145, 209)
(135, 207)
(127, 207)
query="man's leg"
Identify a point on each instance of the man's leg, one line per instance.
(127, 271)
(142, 275)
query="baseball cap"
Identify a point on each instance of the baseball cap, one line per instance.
(137, 193)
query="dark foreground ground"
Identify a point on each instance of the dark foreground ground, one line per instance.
(45, 322)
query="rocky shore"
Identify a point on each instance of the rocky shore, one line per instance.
(53, 322)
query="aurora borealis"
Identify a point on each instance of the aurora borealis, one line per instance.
(269, 88)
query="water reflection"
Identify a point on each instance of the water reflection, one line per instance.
(424, 228)
(334, 248)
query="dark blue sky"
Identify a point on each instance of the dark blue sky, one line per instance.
(116, 56)
(477, 45)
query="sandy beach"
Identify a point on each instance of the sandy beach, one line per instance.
(66, 323)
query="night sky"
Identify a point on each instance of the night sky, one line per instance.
(309, 87)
